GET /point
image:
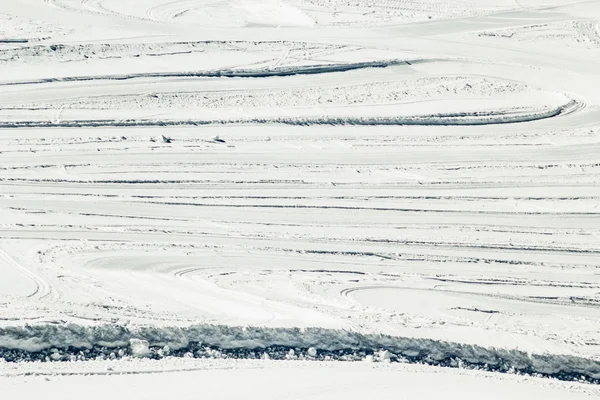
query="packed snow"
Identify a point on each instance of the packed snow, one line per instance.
(333, 198)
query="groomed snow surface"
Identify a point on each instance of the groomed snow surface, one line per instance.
(299, 199)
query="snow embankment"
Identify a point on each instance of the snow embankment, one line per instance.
(75, 342)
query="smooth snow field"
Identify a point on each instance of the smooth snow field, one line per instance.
(303, 199)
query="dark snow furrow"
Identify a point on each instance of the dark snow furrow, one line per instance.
(354, 208)
(230, 73)
(392, 209)
(10, 41)
(473, 118)
(297, 197)
(76, 342)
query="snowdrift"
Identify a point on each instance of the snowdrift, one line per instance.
(70, 341)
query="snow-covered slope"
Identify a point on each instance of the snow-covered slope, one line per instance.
(308, 181)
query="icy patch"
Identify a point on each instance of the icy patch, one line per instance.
(210, 341)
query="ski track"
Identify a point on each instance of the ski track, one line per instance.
(414, 179)
(239, 73)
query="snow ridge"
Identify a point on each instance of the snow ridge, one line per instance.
(448, 119)
(71, 341)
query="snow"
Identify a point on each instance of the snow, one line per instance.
(263, 379)
(30, 343)
(139, 347)
(14, 30)
(322, 197)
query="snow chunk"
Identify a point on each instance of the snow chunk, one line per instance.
(384, 356)
(55, 356)
(139, 348)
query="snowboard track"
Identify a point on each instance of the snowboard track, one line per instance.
(63, 342)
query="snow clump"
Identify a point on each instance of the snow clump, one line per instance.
(139, 348)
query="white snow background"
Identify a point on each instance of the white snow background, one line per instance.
(299, 199)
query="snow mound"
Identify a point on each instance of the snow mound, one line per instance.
(214, 341)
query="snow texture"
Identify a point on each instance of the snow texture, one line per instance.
(411, 184)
